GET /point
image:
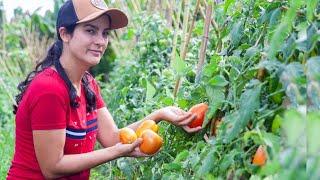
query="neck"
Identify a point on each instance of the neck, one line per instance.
(73, 69)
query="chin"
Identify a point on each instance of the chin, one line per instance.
(92, 61)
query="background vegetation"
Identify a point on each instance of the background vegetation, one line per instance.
(255, 62)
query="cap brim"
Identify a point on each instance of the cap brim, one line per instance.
(118, 18)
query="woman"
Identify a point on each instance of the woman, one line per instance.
(60, 111)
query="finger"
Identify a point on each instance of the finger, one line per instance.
(188, 120)
(182, 118)
(136, 143)
(138, 153)
(179, 111)
(192, 130)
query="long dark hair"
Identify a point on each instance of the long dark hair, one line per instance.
(53, 58)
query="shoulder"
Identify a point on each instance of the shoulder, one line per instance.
(47, 82)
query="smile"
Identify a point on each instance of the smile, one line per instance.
(95, 53)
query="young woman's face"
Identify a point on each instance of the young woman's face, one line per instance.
(90, 40)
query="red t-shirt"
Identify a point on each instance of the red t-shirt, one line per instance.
(45, 106)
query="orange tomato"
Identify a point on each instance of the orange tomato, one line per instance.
(200, 110)
(260, 156)
(147, 124)
(214, 125)
(127, 135)
(151, 142)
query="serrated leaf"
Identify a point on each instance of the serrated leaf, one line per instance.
(271, 140)
(218, 80)
(228, 160)
(249, 103)
(207, 164)
(216, 97)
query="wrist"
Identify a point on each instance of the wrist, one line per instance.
(157, 115)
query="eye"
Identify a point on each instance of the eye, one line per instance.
(90, 31)
(105, 34)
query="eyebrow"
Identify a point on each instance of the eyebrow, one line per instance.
(95, 27)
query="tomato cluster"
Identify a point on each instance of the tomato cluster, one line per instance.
(147, 130)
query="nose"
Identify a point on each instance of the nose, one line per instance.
(101, 40)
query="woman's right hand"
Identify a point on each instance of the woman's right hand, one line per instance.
(131, 150)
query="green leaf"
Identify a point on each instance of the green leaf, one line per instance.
(179, 66)
(313, 69)
(272, 167)
(216, 97)
(294, 126)
(289, 46)
(172, 166)
(311, 8)
(283, 30)
(182, 156)
(183, 103)
(249, 103)
(313, 86)
(208, 164)
(274, 18)
(218, 80)
(168, 101)
(228, 160)
(236, 33)
(313, 126)
(271, 140)
(276, 123)
(227, 4)
(150, 91)
(210, 69)
(312, 37)
(251, 52)
(254, 135)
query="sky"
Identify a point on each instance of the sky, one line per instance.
(26, 5)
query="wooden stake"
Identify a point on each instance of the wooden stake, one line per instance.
(202, 52)
(185, 47)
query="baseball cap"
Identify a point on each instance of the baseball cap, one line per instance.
(73, 12)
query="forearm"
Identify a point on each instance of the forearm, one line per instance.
(108, 133)
(153, 116)
(71, 164)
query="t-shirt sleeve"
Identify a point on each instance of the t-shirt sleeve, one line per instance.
(100, 101)
(48, 111)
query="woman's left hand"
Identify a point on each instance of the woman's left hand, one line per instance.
(178, 117)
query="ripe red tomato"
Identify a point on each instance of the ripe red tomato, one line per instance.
(200, 110)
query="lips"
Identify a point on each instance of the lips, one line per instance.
(96, 53)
